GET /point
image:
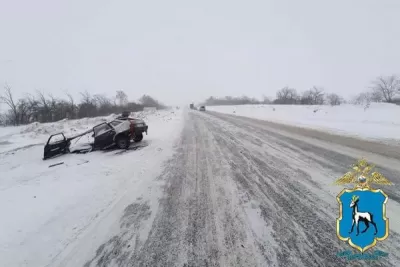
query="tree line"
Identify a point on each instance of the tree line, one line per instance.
(313, 96)
(230, 100)
(47, 108)
(383, 89)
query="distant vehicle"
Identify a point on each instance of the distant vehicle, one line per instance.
(202, 108)
(191, 106)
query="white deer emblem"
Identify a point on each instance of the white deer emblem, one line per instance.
(365, 217)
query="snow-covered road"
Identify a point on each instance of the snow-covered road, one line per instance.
(242, 193)
(236, 192)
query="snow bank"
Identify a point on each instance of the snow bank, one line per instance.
(59, 216)
(381, 121)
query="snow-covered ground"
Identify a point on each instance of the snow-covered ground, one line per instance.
(38, 133)
(380, 121)
(45, 211)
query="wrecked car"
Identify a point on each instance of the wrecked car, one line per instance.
(116, 133)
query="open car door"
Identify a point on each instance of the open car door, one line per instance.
(56, 145)
(103, 136)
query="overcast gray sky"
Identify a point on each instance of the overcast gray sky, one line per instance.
(181, 51)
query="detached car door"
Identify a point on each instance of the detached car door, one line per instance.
(103, 136)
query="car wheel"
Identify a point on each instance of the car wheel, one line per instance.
(123, 142)
(138, 137)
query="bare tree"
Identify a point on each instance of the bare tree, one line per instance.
(334, 99)
(286, 96)
(122, 98)
(314, 96)
(101, 100)
(306, 98)
(45, 108)
(53, 103)
(23, 111)
(266, 100)
(72, 106)
(387, 87)
(317, 95)
(86, 98)
(211, 101)
(87, 107)
(3, 119)
(71, 99)
(375, 96)
(104, 105)
(363, 98)
(42, 98)
(8, 99)
(34, 109)
(45, 113)
(148, 101)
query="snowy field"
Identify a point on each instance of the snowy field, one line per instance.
(380, 121)
(46, 211)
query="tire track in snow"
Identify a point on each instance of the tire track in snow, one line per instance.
(207, 229)
(285, 203)
(238, 194)
(320, 160)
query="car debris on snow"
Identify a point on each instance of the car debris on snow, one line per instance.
(53, 165)
(118, 132)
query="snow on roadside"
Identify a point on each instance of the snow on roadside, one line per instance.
(48, 212)
(38, 133)
(381, 121)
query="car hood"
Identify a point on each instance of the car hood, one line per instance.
(122, 127)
